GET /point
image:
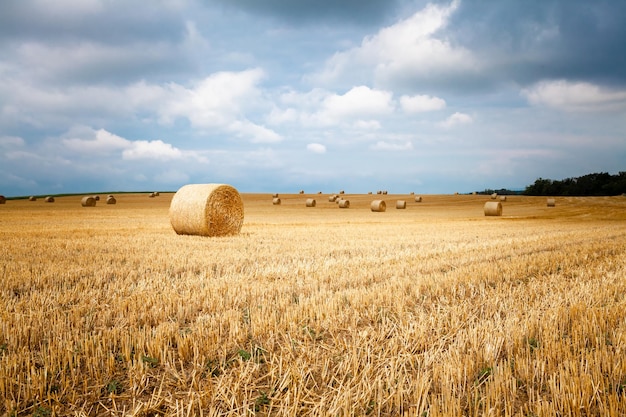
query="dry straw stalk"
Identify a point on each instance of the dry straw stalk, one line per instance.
(206, 210)
(493, 208)
(378, 206)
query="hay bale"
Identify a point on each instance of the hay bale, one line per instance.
(502, 198)
(97, 197)
(276, 201)
(49, 199)
(378, 206)
(32, 198)
(111, 200)
(3, 199)
(206, 210)
(493, 208)
(156, 194)
(369, 192)
(344, 204)
(332, 198)
(275, 195)
(88, 201)
(379, 192)
(342, 192)
(301, 191)
(494, 196)
(400, 204)
(551, 202)
(384, 192)
(310, 202)
(152, 195)
(418, 198)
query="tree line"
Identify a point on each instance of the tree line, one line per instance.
(598, 184)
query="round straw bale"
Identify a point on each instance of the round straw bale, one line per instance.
(494, 196)
(152, 195)
(385, 192)
(342, 192)
(418, 199)
(301, 191)
(332, 198)
(379, 192)
(206, 210)
(88, 201)
(156, 194)
(493, 208)
(369, 192)
(275, 195)
(97, 197)
(502, 198)
(49, 199)
(412, 193)
(400, 204)
(378, 205)
(32, 198)
(310, 202)
(551, 202)
(344, 204)
(276, 201)
(111, 200)
(3, 199)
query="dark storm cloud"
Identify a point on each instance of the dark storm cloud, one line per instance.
(536, 39)
(298, 11)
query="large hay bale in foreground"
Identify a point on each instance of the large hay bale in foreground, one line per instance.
(493, 208)
(310, 202)
(551, 202)
(88, 201)
(206, 210)
(400, 204)
(378, 206)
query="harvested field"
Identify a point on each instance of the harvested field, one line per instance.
(435, 310)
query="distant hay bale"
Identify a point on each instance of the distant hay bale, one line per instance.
(418, 198)
(344, 204)
(551, 202)
(152, 195)
(493, 208)
(206, 210)
(49, 199)
(400, 204)
(111, 200)
(378, 206)
(156, 194)
(494, 196)
(97, 197)
(332, 198)
(276, 201)
(342, 192)
(384, 192)
(301, 191)
(502, 198)
(3, 199)
(412, 193)
(379, 192)
(310, 202)
(32, 198)
(369, 192)
(275, 195)
(88, 201)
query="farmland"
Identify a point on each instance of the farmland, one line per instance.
(429, 311)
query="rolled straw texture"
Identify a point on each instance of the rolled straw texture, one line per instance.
(502, 198)
(551, 202)
(49, 199)
(88, 201)
(276, 201)
(310, 202)
(32, 198)
(111, 200)
(493, 208)
(400, 204)
(418, 199)
(378, 205)
(206, 210)
(494, 196)
(344, 204)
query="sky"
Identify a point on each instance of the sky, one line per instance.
(325, 95)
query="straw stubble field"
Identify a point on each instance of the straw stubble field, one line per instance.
(428, 311)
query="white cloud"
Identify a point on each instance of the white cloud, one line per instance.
(389, 146)
(457, 119)
(253, 132)
(11, 142)
(421, 103)
(408, 49)
(575, 96)
(154, 149)
(316, 148)
(102, 142)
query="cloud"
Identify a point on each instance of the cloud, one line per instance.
(102, 142)
(10, 142)
(253, 132)
(155, 149)
(575, 96)
(421, 103)
(408, 52)
(457, 119)
(316, 148)
(388, 146)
